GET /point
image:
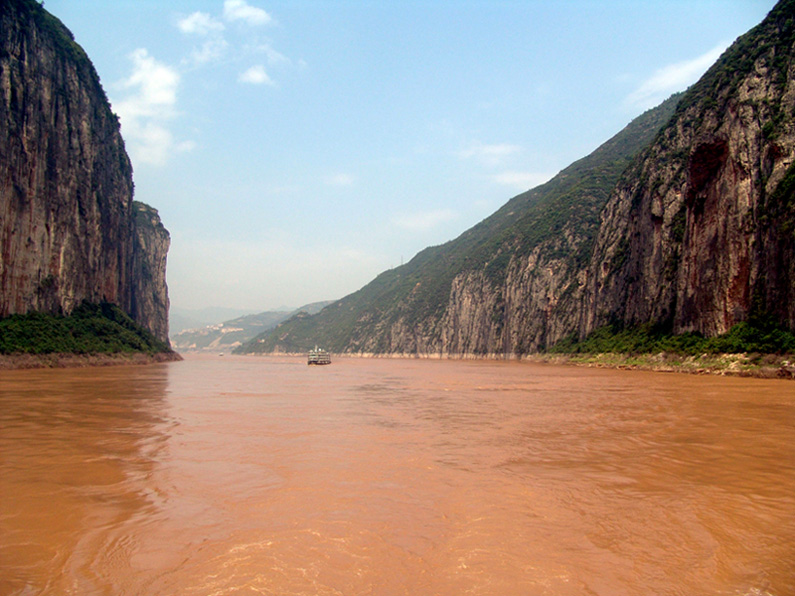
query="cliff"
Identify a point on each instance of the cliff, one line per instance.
(148, 291)
(70, 231)
(684, 221)
(699, 236)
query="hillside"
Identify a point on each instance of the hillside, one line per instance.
(234, 332)
(683, 221)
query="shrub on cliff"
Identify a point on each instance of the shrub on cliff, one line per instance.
(91, 329)
(755, 336)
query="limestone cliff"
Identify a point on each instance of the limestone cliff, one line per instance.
(69, 230)
(699, 236)
(148, 292)
(511, 284)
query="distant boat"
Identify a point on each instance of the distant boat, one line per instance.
(318, 356)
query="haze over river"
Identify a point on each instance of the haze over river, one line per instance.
(245, 475)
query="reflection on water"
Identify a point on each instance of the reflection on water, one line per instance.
(265, 476)
(76, 449)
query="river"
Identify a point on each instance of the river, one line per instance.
(246, 475)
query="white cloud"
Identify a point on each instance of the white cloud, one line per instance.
(424, 221)
(522, 180)
(340, 180)
(256, 75)
(185, 146)
(240, 10)
(273, 56)
(204, 25)
(490, 155)
(672, 78)
(200, 23)
(219, 42)
(145, 112)
(211, 50)
(152, 142)
(156, 83)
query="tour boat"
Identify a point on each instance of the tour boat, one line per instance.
(318, 356)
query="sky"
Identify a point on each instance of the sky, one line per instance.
(297, 149)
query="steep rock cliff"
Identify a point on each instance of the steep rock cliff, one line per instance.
(148, 292)
(69, 229)
(699, 235)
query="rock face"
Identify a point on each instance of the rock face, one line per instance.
(70, 231)
(148, 291)
(511, 284)
(700, 235)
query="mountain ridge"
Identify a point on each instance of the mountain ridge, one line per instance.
(690, 231)
(232, 333)
(472, 251)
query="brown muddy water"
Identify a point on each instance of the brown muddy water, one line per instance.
(219, 476)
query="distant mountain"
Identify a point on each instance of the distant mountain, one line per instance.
(684, 220)
(181, 319)
(234, 332)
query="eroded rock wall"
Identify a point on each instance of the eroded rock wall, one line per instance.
(68, 230)
(688, 240)
(148, 291)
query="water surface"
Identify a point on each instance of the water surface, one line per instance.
(266, 476)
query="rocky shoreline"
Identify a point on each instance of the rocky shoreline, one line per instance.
(29, 361)
(762, 366)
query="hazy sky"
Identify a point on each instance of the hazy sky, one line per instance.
(296, 149)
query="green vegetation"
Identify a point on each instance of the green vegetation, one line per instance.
(559, 221)
(756, 336)
(91, 329)
(52, 28)
(62, 37)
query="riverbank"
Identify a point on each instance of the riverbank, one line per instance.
(64, 360)
(765, 366)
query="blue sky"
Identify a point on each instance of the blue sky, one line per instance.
(296, 149)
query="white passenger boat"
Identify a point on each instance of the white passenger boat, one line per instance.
(318, 356)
